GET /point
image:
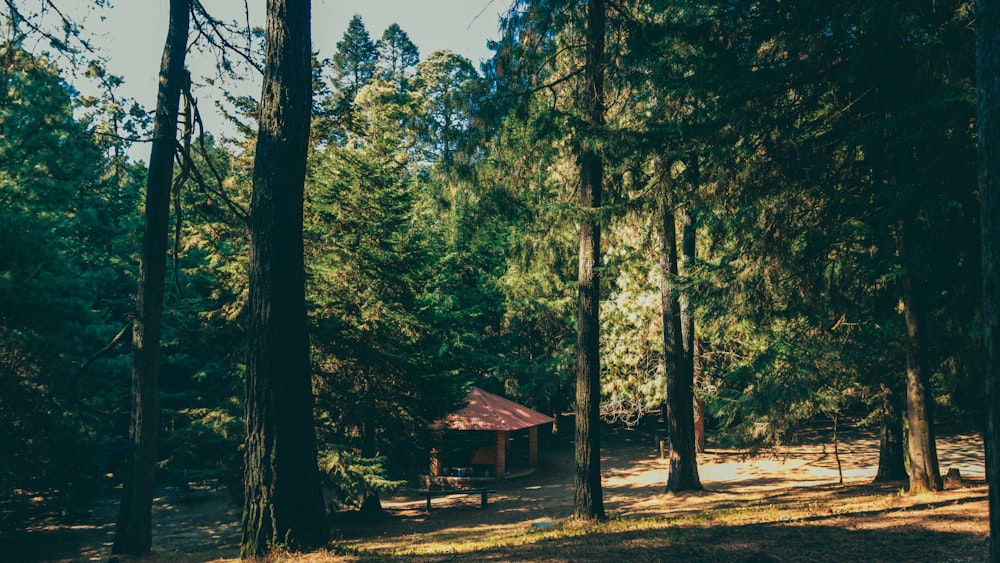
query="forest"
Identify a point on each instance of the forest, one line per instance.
(742, 217)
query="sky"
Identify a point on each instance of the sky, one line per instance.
(132, 34)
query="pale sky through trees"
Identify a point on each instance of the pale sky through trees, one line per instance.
(131, 37)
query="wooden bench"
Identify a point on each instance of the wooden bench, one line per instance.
(481, 492)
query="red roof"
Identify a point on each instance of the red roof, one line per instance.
(487, 411)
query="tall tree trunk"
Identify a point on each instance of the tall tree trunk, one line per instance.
(687, 315)
(133, 530)
(924, 473)
(283, 501)
(679, 378)
(688, 247)
(588, 499)
(988, 77)
(371, 504)
(687, 262)
(891, 461)
(699, 406)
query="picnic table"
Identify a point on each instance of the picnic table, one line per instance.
(483, 493)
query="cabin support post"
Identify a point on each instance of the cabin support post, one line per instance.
(501, 453)
(533, 446)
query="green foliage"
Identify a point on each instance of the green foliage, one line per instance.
(351, 476)
(397, 55)
(803, 262)
(202, 367)
(65, 217)
(632, 378)
(535, 245)
(371, 270)
(779, 381)
(444, 87)
(441, 233)
(355, 60)
(202, 444)
(816, 130)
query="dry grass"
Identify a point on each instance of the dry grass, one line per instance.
(818, 523)
(784, 507)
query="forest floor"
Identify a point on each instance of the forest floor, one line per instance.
(783, 506)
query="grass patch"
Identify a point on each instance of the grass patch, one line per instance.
(824, 524)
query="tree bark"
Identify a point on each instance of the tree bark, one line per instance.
(891, 460)
(687, 262)
(679, 377)
(700, 443)
(687, 315)
(588, 499)
(283, 501)
(133, 530)
(688, 248)
(921, 447)
(371, 504)
(988, 123)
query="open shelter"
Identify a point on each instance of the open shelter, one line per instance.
(490, 412)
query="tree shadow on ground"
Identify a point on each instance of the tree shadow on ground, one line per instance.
(767, 508)
(790, 508)
(187, 526)
(752, 542)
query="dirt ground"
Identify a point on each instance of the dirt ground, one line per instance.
(786, 506)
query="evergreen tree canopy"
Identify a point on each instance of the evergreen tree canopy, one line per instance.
(354, 62)
(397, 56)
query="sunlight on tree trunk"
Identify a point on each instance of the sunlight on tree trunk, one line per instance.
(588, 501)
(692, 428)
(924, 473)
(691, 364)
(700, 440)
(679, 413)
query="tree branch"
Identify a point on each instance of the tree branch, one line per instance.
(219, 32)
(125, 332)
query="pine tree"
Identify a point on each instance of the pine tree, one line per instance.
(64, 291)
(397, 56)
(354, 62)
(444, 87)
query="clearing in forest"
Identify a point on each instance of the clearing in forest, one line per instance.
(787, 506)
